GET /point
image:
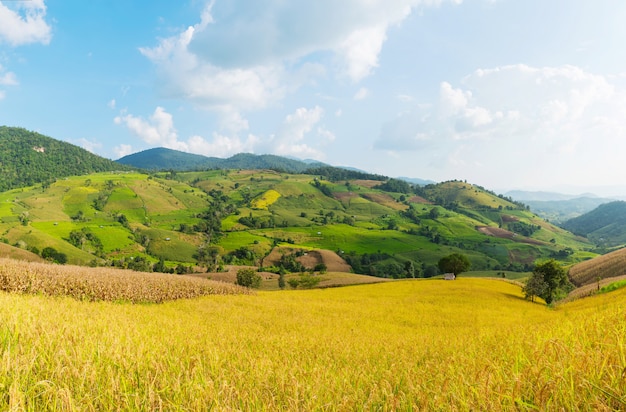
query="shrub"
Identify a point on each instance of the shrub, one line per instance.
(248, 278)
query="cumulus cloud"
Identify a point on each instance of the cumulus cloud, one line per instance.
(545, 119)
(23, 22)
(159, 131)
(291, 139)
(248, 55)
(123, 150)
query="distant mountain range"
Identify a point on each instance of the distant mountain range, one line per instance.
(168, 159)
(605, 225)
(558, 207)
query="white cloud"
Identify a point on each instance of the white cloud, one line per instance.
(112, 104)
(24, 22)
(361, 94)
(159, 131)
(248, 55)
(291, 137)
(123, 150)
(90, 145)
(221, 145)
(8, 78)
(552, 122)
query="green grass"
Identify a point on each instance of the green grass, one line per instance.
(613, 286)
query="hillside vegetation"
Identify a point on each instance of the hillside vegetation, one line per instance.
(28, 158)
(559, 211)
(168, 159)
(605, 225)
(175, 221)
(419, 345)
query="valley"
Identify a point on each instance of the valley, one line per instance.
(89, 324)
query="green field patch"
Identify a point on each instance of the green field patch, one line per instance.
(124, 199)
(156, 198)
(234, 240)
(170, 245)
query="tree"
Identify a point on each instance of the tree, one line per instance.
(248, 278)
(550, 280)
(535, 286)
(455, 263)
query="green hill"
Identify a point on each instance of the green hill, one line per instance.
(168, 159)
(605, 225)
(237, 217)
(28, 158)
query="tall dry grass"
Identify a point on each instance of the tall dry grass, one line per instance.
(108, 284)
(471, 344)
(606, 266)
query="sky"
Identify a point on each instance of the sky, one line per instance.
(506, 94)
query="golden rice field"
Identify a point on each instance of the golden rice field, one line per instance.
(267, 199)
(107, 284)
(470, 344)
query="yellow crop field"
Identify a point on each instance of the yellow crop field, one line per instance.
(265, 200)
(104, 284)
(470, 344)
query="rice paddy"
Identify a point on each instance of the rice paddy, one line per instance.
(470, 344)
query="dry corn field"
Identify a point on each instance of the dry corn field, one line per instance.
(93, 284)
(607, 266)
(470, 344)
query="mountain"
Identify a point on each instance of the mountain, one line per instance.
(558, 207)
(605, 225)
(28, 158)
(558, 211)
(159, 159)
(539, 196)
(417, 181)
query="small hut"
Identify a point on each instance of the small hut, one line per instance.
(449, 276)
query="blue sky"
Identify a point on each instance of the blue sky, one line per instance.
(506, 94)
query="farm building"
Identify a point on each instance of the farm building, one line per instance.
(449, 276)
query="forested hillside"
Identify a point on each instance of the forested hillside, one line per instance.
(28, 158)
(605, 225)
(168, 159)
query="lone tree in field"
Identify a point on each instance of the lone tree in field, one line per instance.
(455, 263)
(548, 279)
(248, 278)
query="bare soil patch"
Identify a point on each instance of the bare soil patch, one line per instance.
(419, 199)
(333, 262)
(385, 200)
(367, 183)
(505, 234)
